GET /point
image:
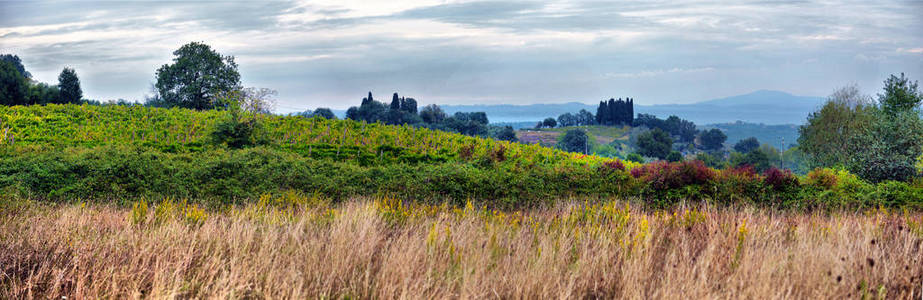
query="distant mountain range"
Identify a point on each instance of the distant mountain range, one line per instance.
(767, 107)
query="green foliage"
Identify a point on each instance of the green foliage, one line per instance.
(550, 123)
(42, 93)
(827, 137)
(674, 156)
(712, 139)
(747, 145)
(69, 86)
(710, 160)
(322, 112)
(239, 130)
(758, 159)
(17, 63)
(574, 140)
(655, 143)
(13, 86)
(197, 76)
(432, 114)
(635, 157)
(877, 143)
(900, 94)
(889, 149)
(503, 133)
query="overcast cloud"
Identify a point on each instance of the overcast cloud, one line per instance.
(330, 53)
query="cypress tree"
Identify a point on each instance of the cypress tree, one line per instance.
(631, 111)
(395, 102)
(601, 112)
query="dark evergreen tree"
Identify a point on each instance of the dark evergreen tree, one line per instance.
(395, 102)
(631, 112)
(574, 140)
(325, 113)
(13, 86)
(69, 86)
(17, 63)
(602, 113)
(655, 143)
(746, 145)
(409, 105)
(712, 139)
(550, 122)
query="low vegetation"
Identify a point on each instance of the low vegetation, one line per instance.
(292, 246)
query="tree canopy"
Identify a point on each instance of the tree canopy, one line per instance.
(827, 136)
(712, 139)
(574, 140)
(17, 63)
(196, 77)
(655, 143)
(13, 86)
(746, 145)
(69, 86)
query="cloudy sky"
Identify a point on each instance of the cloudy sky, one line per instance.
(331, 52)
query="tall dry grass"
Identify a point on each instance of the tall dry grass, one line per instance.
(380, 249)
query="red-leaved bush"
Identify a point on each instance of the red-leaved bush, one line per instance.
(780, 180)
(613, 165)
(744, 173)
(666, 175)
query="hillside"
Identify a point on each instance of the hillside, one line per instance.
(120, 153)
(181, 130)
(113, 153)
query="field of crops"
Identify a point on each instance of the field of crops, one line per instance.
(183, 130)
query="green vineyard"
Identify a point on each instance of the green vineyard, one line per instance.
(181, 130)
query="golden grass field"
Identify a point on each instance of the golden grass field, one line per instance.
(380, 248)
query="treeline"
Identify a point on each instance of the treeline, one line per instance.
(18, 88)
(608, 113)
(403, 111)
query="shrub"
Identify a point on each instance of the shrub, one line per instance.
(237, 131)
(781, 180)
(897, 194)
(822, 178)
(736, 185)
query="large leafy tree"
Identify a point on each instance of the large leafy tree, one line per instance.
(655, 143)
(42, 93)
(13, 85)
(712, 139)
(17, 63)
(891, 144)
(432, 114)
(574, 140)
(196, 77)
(827, 136)
(889, 148)
(746, 145)
(69, 86)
